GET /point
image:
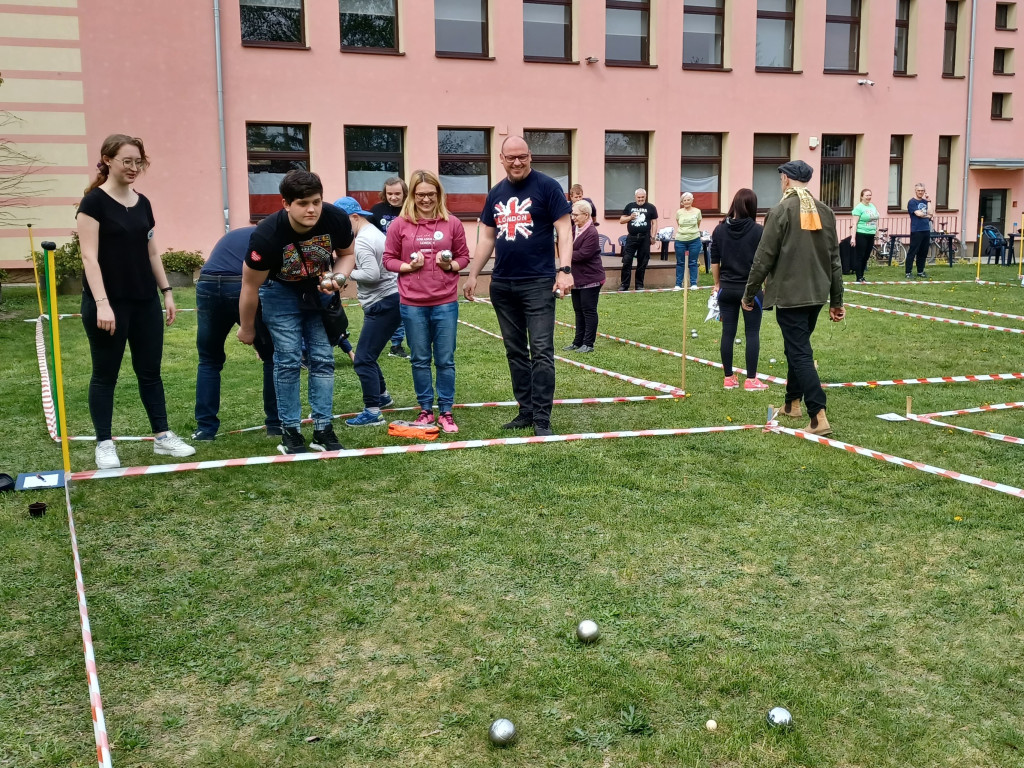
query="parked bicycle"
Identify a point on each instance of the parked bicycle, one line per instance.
(887, 249)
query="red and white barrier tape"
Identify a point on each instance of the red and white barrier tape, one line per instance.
(49, 411)
(925, 282)
(651, 290)
(158, 469)
(980, 432)
(878, 455)
(979, 409)
(937, 319)
(937, 304)
(99, 723)
(931, 380)
(79, 314)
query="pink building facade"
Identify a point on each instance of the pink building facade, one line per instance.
(705, 96)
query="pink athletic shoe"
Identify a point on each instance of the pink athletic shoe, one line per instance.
(754, 385)
(447, 422)
(425, 417)
(731, 382)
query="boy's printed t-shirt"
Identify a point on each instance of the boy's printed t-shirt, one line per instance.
(294, 259)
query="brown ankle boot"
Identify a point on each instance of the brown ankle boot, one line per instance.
(819, 424)
(791, 410)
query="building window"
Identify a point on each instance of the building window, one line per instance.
(272, 22)
(272, 151)
(949, 39)
(842, 35)
(700, 169)
(770, 151)
(703, 24)
(627, 32)
(1001, 106)
(460, 28)
(775, 23)
(368, 24)
(999, 61)
(899, 66)
(371, 156)
(945, 161)
(464, 165)
(897, 148)
(838, 154)
(1004, 16)
(625, 169)
(552, 154)
(547, 30)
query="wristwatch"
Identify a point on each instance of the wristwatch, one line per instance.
(567, 270)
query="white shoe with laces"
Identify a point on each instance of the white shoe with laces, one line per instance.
(106, 455)
(172, 445)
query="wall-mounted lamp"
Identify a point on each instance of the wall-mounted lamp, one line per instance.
(592, 59)
(865, 82)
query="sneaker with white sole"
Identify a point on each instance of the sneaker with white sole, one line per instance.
(325, 440)
(366, 419)
(730, 382)
(386, 400)
(754, 385)
(292, 442)
(447, 423)
(426, 417)
(106, 455)
(172, 445)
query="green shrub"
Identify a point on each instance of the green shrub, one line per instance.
(67, 260)
(3, 275)
(182, 261)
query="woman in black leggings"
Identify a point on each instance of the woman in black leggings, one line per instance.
(733, 244)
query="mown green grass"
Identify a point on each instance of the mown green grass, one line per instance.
(383, 611)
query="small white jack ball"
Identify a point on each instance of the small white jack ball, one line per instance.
(502, 732)
(587, 631)
(739, 340)
(711, 725)
(772, 360)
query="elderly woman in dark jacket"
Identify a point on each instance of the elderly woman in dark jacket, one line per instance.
(587, 277)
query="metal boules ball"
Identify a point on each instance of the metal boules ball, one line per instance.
(779, 717)
(502, 732)
(445, 255)
(326, 282)
(587, 631)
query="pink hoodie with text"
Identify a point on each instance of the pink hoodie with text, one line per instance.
(429, 286)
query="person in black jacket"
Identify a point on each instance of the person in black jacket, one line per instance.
(733, 244)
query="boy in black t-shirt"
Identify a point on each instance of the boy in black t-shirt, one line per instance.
(639, 219)
(289, 254)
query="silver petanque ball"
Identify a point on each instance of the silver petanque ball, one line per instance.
(779, 717)
(587, 631)
(502, 732)
(445, 255)
(326, 284)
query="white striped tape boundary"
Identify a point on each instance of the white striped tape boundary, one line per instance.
(968, 378)
(985, 312)
(979, 432)
(158, 469)
(67, 315)
(889, 458)
(49, 411)
(979, 409)
(928, 282)
(99, 723)
(650, 290)
(965, 323)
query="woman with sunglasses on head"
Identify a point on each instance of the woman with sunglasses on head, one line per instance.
(427, 248)
(120, 303)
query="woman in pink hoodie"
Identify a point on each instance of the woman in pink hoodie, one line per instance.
(427, 248)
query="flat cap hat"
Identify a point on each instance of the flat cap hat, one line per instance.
(797, 170)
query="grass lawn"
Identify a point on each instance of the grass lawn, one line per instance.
(383, 611)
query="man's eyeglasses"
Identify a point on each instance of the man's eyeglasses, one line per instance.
(517, 158)
(425, 195)
(131, 164)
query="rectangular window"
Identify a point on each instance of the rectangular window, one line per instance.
(1001, 62)
(770, 151)
(272, 22)
(842, 35)
(899, 66)
(627, 32)
(945, 161)
(464, 165)
(949, 39)
(1002, 15)
(552, 154)
(371, 155)
(272, 151)
(368, 24)
(700, 169)
(703, 25)
(547, 30)
(460, 28)
(775, 23)
(625, 169)
(1001, 106)
(897, 145)
(838, 154)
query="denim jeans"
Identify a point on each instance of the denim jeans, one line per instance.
(802, 382)
(526, 315)
(693, 249)
(430, 332)
(379, 322)
(290, 323)
(217, 313)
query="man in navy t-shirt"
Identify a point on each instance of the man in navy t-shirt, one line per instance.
(521, 216)
(920, 230)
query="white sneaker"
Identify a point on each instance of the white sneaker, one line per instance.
(693, 287)
(172, 445)
(678, 288)
(106, 455)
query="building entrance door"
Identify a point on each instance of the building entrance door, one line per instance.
(992, 207)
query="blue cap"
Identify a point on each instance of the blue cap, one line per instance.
(351, 205)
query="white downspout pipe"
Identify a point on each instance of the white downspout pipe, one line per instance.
(964, 205)
(220, 119)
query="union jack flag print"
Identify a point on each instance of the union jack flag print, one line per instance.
(513, 218)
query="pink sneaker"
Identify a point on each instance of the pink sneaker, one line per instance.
(754, 385)
(731, 382)
(425, 417)
(447, 422)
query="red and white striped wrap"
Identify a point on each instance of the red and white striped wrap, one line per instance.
(79, 314)
(985, 312)
(49, 411)
(979, 409)
(924, 282)
(878, 455)
(99, 723)
(938, 319)
(980, 432)
(655, 385)
(969, 378)
(387, 450)
(650, 290)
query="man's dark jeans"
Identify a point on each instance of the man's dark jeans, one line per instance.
(380, 320)
(526, 315)
(639, 246)
(919, 242)
(797, 325)
(217, 314)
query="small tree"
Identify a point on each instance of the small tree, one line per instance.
(17, 187)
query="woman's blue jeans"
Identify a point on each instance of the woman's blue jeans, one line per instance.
(430, 332)
(693, 249)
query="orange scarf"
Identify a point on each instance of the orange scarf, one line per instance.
(809, 218)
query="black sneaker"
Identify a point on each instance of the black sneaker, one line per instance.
(203, 436)
(922, 275)
(909, 276)
(325, 440)
(274, 431)
(522, 421)
(542, 429)
(397, 350)
(292, 442)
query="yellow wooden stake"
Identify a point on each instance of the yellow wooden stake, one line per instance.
(909, 401)
(35, 270)
(981, 247)
(58, 373)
